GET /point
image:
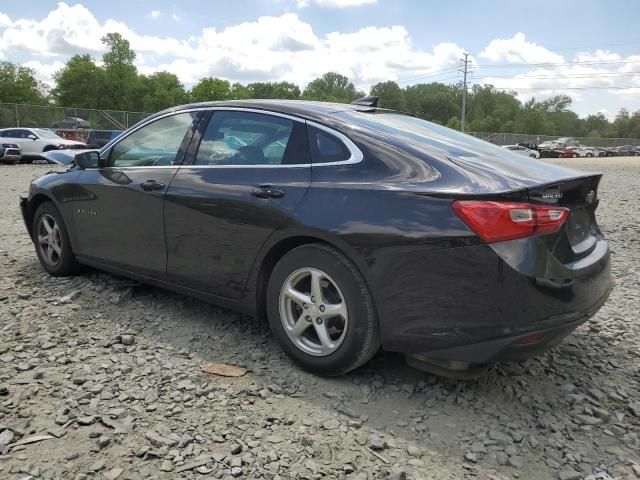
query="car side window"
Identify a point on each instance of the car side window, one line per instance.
(156, 144)
(249, 138)
(326, 148)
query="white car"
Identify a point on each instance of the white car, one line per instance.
(10, 153)
(522, 150)
(583, 151)
(34, 141)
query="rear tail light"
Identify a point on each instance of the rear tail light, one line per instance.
(500, 221)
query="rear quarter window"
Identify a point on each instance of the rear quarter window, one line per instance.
(326, 148)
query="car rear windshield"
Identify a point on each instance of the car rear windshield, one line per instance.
(423, 133)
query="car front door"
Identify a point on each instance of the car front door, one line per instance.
(20, 136)
(245, 175)
(118, 207)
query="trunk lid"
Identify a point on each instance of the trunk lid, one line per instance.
(579, 234)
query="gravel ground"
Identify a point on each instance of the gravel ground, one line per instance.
(100, 378)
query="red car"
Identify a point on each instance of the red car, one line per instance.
(71, 135)
(568, 153)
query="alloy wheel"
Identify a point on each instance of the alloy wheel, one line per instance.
(313, 311)
(49, 240)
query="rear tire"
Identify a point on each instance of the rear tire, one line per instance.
(351, 337)
(52, 243)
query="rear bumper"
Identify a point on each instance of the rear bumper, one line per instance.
(518, 347)
(474, 304)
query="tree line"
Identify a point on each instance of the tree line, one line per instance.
(116, 84)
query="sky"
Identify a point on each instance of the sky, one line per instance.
(588, 49)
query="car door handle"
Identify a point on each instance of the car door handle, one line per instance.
(267, 191)
(151, 185)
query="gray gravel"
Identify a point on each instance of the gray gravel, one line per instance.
(101, 379)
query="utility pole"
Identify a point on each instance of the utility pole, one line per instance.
(465, 64)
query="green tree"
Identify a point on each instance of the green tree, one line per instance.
(18, 84)
(436, 102)
(80, 83)
(285, 90)
(597, 125)
(121, 74)
(211, 88)
(162, 90)
(390, 95)
(239, 92)
(454, 123)
(331, 87)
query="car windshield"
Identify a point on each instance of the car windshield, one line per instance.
(46, 134)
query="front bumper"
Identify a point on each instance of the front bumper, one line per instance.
(10, 155)
(23, 202)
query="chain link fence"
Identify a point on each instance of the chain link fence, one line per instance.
(20, 115)
(515, 138)
(43, 116)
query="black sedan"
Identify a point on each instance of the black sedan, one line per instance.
(349, 227)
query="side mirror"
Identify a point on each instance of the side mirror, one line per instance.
(90, 159)
(32, 136)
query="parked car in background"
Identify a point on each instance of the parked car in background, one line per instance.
(349, 227)
(10, 153)
(606, 152)
(530, 146)
(71, 122)
(551, 152)
(99, 138)
(34, 141)
(522, 151)
(549, 145)
(582, 151)
(71, 134)
(569, 153)
(627, 151)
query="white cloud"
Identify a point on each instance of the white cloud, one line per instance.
(284, 47)
(518, 50)
(5, 21)
(175, 17)
(44, 71)
(154, 13)
(607, 114)
(597, 56)
(270, 48)
(334, 3)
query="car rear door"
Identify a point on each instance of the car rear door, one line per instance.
(246, 173)
(118, 207)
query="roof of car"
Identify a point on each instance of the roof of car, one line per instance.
(301, 108)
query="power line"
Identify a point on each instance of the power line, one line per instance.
(591, 75)
(561, 64)
(569, 88)
(411, 78)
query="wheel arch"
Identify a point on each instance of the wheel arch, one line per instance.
(276, 249)
(34, 202)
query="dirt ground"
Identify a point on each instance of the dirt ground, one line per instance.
(101, 379)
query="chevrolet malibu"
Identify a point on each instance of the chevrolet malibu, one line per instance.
(349, 227)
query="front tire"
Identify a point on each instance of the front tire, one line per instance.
(321, 311)
(52, 243)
